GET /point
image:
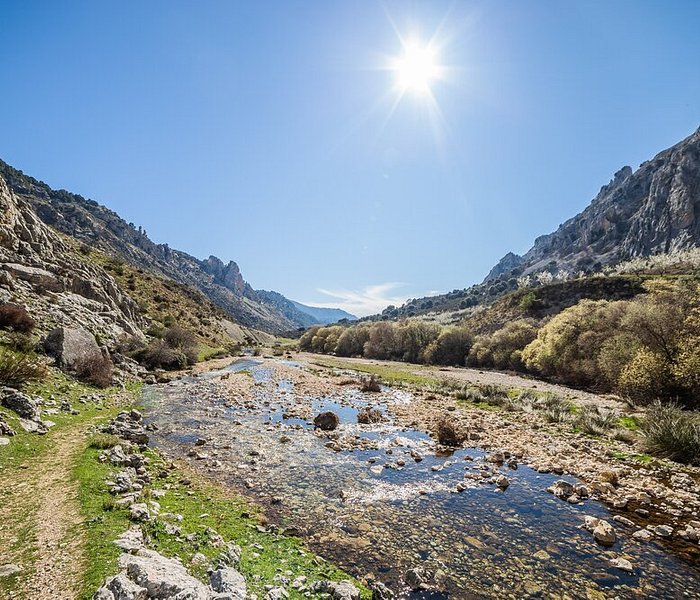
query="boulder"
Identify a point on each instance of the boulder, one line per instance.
(162, 577)
(20, 403)
(602, 531)
(380, 591)
(120, 587)
(72, 347)
(328, 421)
(5, 429)
(228, 580)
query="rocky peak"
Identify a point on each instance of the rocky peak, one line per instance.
(655, 209)
(228, 276)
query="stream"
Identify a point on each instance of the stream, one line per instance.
(379, 499)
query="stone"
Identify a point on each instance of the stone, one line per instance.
(278, 593)
(623, 564)
(541, 555)
(604, 534)
(502, 482)
(228, 580)
(327, 421)
(139, 512)
(120, 587)
(72, 347)
(338, 590)
(9, 569)
(230, 556)
(561, 489)
(5, 429)
(380, 591)
(4, 441)
(162, 577)
(415, 578)
(663, 530)
(642, 535)
(131, 540)
(20, 403)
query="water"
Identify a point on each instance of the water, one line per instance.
(360, 499)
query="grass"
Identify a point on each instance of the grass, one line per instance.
(207, 353)
(389, 374)
(672, 432)
(205, 507)
(637, 457)
(630, 422)
(25, 453)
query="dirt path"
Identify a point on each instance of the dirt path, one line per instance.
(45, 502)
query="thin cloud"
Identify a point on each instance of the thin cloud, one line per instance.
(368, 301)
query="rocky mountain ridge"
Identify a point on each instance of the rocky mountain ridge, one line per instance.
(99, 227)
(653, 210)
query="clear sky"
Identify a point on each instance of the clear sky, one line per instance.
(269, 133)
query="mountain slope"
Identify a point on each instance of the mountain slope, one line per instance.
(653, 210)
(99, 227)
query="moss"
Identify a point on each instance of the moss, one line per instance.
(630, 422)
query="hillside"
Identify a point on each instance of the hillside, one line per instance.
(97, 226)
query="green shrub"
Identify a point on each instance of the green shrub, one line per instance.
(450, 348)
(593, 421)
(18, 368)
(672, 432)
(158, 355)
(503, 349)
(646, 378)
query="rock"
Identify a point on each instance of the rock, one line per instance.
(415, 578)
(230, 556)
(327, 421)
(623, 564)
(38, 278)
(541, 555)
(72, 347)
(20, 403)
(561, 489)
(4, 441)
(228, 580)
(278, 593)
(338, 590)
(663, 530)
(380, 591)
(9, 569)
(502, 482)
(604, 534)
(623, 521)
(642, 535)
(198, 559)
(5, 429)
(162, 577)
(139, 512)
(120, 587)
(131, 540)
(369, 415)
(38, 426)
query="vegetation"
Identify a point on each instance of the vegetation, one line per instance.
(18, 368)
(672, 432)
(643, 346)
(15, 318)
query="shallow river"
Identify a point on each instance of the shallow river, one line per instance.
(375, 510)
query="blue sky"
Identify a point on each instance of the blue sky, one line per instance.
(263, 131)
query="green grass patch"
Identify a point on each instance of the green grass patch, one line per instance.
(638, 457)
(389, 374)
(629, 422)
(206, 353)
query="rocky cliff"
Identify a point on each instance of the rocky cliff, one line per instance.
(653, 210)
(40, 270)
(99, 227)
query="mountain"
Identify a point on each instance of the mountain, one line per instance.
(324, 316)
(303, 315)
(99, 227)
(653, 210)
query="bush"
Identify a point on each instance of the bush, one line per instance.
(593, 421)
(18, 368)
(352, 341)
(555, 409)
(672, 432)
(503, 349)
(646, 378)
(448, 434)
(104, 441)
(16, 318)
(158, 355)
(450, 348)
(96, 370)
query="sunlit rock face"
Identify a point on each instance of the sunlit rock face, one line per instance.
(649, 211)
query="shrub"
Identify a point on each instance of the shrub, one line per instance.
(96, 370)
(158, 355)
(593, 421)
(450, 348)
(448, 433)
(18, 368)
(672, 432)
(104, 441)
(413, 339)
(307, 337)
(382, 341)
(646, 378)
(503, 349)
(352, 341)
(16, 318)
(555, 409)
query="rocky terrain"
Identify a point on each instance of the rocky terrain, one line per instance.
(95, 225)
(420, 491)
(38, 269)
(653, 210)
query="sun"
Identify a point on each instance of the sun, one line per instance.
(417, 69)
